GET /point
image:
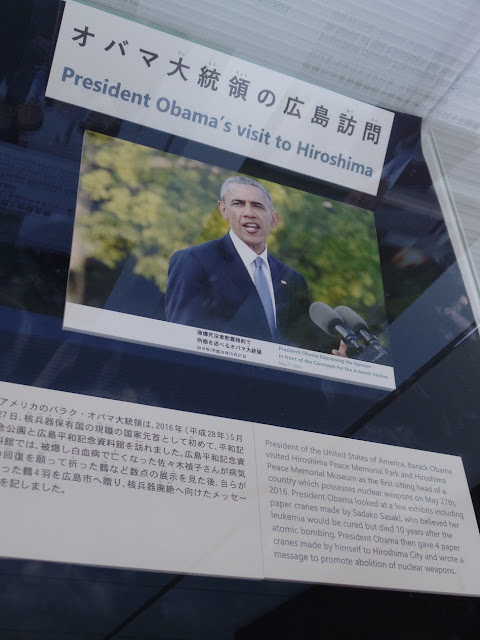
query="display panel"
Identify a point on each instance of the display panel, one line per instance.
(228, 498)
(428, 307)
(128, 256)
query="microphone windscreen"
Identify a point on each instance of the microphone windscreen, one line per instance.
(351, 319)
(325, 317)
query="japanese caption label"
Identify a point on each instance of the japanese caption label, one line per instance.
(109, 64)
(119, 474)
(153, 488)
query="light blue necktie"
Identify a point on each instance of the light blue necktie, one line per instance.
(260, 280)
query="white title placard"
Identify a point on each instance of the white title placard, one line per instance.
(131, 71)
(227, 498)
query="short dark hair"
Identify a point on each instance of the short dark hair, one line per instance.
(244, 180)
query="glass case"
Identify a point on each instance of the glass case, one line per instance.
(239, 302)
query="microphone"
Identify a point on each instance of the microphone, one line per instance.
(358, 325)
(332, 323)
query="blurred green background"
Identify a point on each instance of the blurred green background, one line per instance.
(140, 205)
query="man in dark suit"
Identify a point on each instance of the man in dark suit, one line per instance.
(232, 285)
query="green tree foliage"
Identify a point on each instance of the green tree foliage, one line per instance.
(149, 203)
(142, 202)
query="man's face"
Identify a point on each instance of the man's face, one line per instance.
(250, 215)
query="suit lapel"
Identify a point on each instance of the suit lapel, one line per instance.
(235, 270)
(281, 289)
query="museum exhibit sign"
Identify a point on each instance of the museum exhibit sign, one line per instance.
(164, 406)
